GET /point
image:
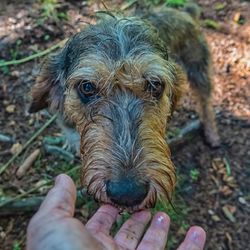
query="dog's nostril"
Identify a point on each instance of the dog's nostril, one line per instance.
(126, 191)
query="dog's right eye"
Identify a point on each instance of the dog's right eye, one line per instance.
(155, 88)
(87, 91)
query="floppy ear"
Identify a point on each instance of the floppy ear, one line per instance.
(178, 86)
(48, 91)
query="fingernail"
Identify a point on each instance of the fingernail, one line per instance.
(196, 237)
(161, 219)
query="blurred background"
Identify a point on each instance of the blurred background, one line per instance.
(213, 188)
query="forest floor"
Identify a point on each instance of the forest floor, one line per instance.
(214, 184)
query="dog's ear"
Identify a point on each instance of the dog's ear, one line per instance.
(48, 91)
(178, 86)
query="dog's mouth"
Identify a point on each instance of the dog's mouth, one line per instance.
(146, 203)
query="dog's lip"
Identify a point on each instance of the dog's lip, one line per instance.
(124, 209)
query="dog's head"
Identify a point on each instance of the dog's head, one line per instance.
(115, 83)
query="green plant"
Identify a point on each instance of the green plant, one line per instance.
(15, 52)
(209, 23)
(16, 246)
(194, 174)
(175, 3)
(4, 69)
(50, 11)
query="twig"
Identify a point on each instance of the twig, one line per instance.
(22, 195)
(128, 5)
(4, 167)
(29, 58)
(64, 154)
(186, 134)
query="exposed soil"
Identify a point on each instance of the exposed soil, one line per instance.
(218, 197)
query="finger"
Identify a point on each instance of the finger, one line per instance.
(156, 235)
(102, 220)
(130, 233)
(195, 239)
(61, 197)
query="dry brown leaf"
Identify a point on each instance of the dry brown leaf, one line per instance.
(226, 190)
(228, 214)
(27, 163)
(236, 17)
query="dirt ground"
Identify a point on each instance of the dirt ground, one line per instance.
(214, 183)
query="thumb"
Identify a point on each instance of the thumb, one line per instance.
(61, 197)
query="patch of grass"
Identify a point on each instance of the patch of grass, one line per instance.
(15, 52)
(63, 167)
(50, 10)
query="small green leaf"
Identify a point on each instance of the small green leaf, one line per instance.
(175, 3)
(4, 69)
(219, 6)
(209, 23)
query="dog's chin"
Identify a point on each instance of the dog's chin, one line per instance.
(144, 205)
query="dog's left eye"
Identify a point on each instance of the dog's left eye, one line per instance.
(155, 88)
(87, 91)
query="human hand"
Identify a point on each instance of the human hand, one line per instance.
(53, 226)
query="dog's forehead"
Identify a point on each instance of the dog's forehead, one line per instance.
(113, 42)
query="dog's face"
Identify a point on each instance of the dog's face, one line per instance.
(115, 84)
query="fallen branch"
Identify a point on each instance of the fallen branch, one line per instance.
(4, 167)
(4, 202)
(39, 54)
(185, 135)
(31, 204)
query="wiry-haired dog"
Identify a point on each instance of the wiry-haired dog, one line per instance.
(117, 83)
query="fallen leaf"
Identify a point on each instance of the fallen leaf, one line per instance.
(231, 208)
(226, 190)
(242, 200)
(10, 108)
(215, 218)
(16, 148)
(27, 163)
(228, 214)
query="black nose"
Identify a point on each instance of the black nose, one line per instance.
(126, 191)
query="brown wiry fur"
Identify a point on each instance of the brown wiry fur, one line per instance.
(122, 128)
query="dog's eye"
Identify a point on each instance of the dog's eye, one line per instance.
(87, 91)
(155, 88)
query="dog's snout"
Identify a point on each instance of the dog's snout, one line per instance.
(126, 191)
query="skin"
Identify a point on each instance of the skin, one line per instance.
(54, 227)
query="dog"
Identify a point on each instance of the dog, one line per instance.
(115, 86)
